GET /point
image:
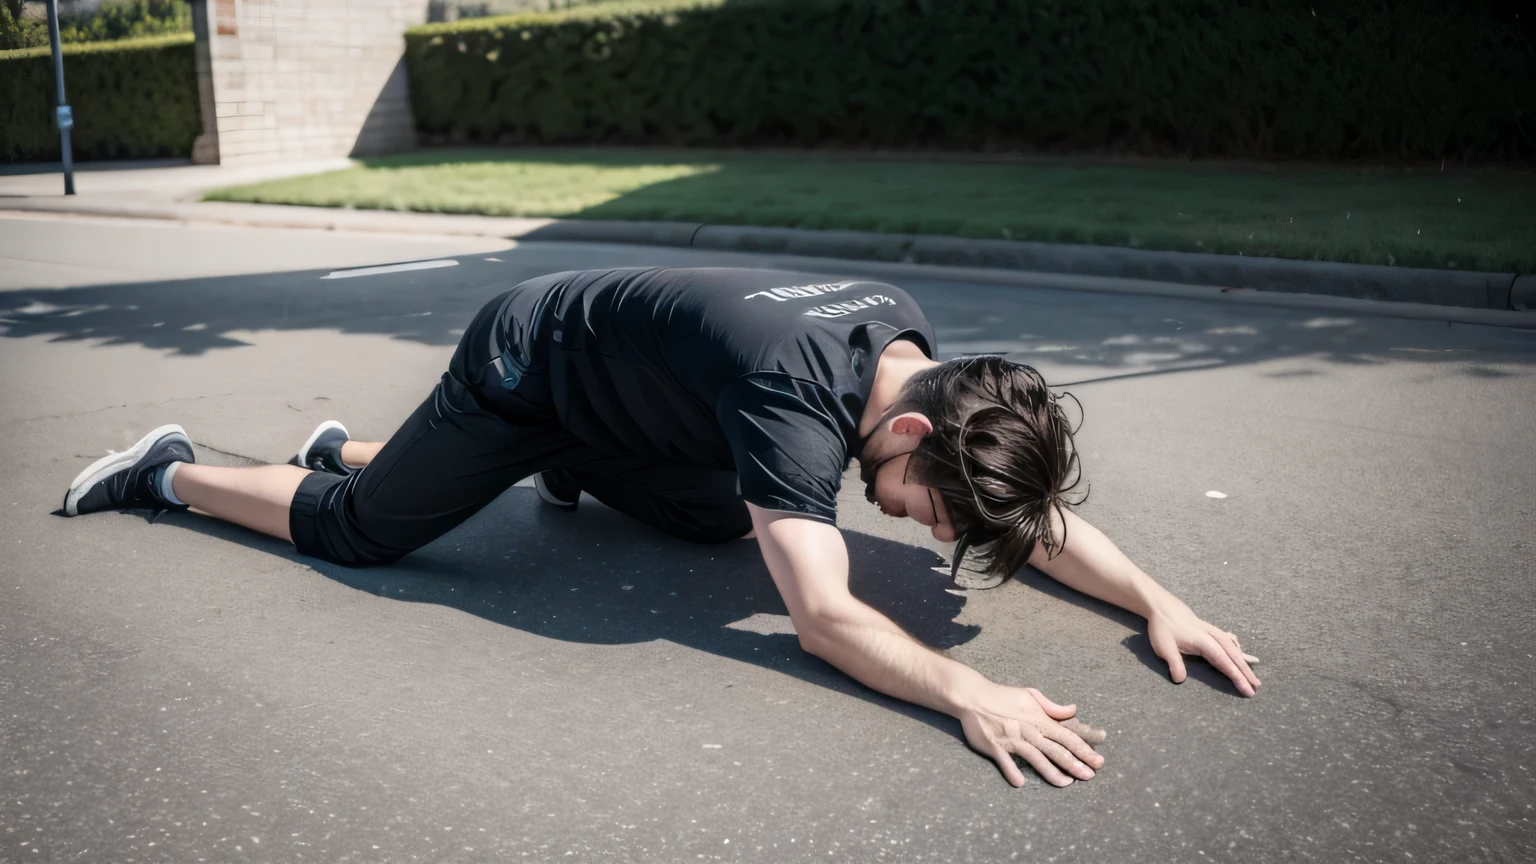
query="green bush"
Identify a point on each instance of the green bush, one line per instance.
(131, 99)
(1352, 78)
(127, 19)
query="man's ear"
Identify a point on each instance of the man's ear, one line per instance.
(911, 423)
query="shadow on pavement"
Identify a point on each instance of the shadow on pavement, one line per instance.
(1113, 335)
(520, 564)
(503, 576)
(1139, 646)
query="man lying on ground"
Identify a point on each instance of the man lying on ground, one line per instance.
(714, 404)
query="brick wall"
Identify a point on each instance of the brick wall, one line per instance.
(303, 78)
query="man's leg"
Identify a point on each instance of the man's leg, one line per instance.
(447, 461)
(359, 453)
(450, 458)
(257, 498)
(697, 504)
(326, 449)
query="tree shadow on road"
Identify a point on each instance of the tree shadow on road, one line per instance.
(1107, 335)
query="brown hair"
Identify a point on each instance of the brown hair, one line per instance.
(1001, 455)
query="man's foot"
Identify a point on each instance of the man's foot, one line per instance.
(132, 478)
(558, 488)
(322, 452)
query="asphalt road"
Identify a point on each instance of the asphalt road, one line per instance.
(559, 687)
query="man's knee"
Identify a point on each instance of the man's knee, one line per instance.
(324, 523)
(707, 536)
(723, 526)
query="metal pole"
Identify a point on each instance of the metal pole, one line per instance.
(63, 117)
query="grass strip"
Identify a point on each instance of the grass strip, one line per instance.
(1414, 216)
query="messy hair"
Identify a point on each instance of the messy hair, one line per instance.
(1001, 456)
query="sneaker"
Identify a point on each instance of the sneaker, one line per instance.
(322, 452)
(131, 478)
(558, 488)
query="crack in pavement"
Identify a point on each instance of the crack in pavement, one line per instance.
(67, 416)
(72, 414)
(230, 453)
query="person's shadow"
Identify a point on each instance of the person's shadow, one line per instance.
(596, 576)
(1196, 669)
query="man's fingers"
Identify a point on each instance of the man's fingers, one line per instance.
(1241, 659)
(1235, 651)
(1091, 735)
(1069, 752)
(1248, 658)
(1216, 655)
(1043, 766)
(1005, 764)
(1168, 649)
(1088, 735)
(1052, 710)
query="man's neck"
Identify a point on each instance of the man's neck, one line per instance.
(899, 361)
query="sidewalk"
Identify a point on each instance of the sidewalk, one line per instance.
(172, 193)
(160, 180)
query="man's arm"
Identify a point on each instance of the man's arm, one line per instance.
(1090, 563)
(809, 564)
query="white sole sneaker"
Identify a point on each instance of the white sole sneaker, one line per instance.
(550, 497)
(111, 464)
(315, 436)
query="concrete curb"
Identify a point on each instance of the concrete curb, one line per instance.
(279, 216)
(1360, 281)
(1522, 294)
(1453, 288)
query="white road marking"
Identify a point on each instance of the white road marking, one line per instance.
(391, 268)
(1214, 494)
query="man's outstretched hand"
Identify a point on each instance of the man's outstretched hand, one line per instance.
(1011, 721)
(1175, 631)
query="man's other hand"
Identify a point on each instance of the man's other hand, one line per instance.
(1175, 631)
(1004, 722)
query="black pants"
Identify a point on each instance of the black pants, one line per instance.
(471, 440)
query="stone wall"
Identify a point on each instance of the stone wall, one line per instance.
(290, 79)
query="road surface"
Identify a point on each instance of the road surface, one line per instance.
(573, 687)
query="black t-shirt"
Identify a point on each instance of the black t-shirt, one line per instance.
(759, 371)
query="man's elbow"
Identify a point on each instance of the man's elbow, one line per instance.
(810, 640)
(813, 635)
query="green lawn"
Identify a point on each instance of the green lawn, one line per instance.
(1463, 218)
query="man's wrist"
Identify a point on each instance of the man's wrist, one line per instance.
(1152, 598)
(963, 689)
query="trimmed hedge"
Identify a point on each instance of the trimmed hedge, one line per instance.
(1351, 78)
(124, 19)
(133, 99)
